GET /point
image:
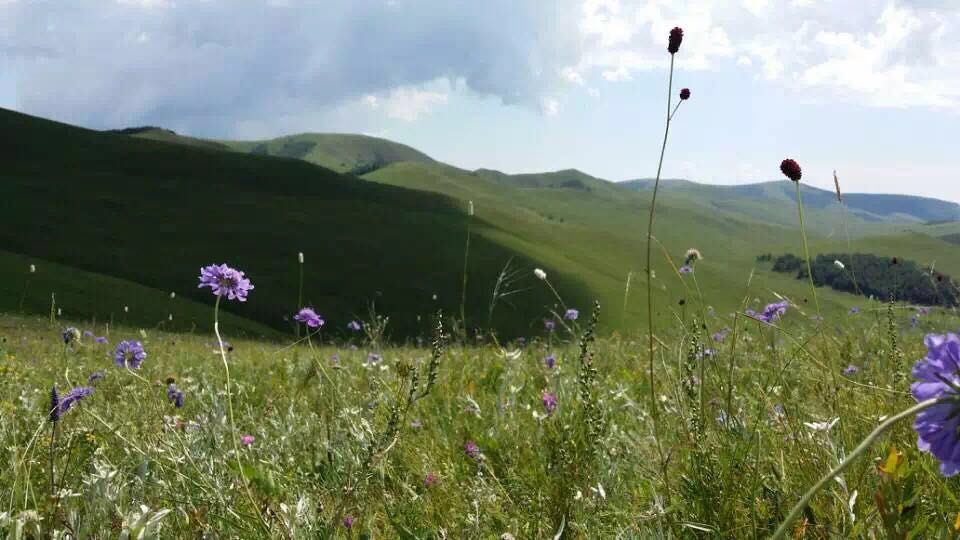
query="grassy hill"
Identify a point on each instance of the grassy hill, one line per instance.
(153, 213)
(355, 154)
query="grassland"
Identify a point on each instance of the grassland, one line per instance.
(335, 441)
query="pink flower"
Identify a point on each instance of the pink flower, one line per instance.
(247, 440)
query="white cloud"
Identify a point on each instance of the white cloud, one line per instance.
(571, 74)
(550, 106)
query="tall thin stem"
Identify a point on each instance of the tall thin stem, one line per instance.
(466, 257)
(233, 425)
(299, 290)
(857, 452)
(806, 253)
(653, 205)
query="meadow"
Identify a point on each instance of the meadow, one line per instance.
(749, 405)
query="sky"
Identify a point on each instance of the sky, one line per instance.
(869, 88)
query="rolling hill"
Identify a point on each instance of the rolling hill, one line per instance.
(153, 212)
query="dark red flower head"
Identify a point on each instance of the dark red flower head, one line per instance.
(685, 93)
(894, 261)
(791, 169)
(676, 37)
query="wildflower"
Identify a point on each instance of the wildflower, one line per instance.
(850, 370)
(348, 521)
(923, 311)
(938, 375)
(549, 324)
(685, 94)
(791, 169)
(175, 396)
(53, 413)
(71, 335)
(676, 37)
(354, 326)
(721, 335)
(549, 402)
(335, 359)
(173, 295)
(95, 376)
(470, 208)
(33, 269)
(430, 480)
(854, 310)
(685, 269)
(550, 361)
(693, 255)
(73, 396)
(126, 309)
(225, 281)
(839, 264)
(87, 333)
(374, 358)
(894, 261)
(571, 315)
(247, 440)
(416, 424)
(822, 426)
(540, 274)
(472, 450)
(300, 257)
(129, 354)
(771, 312)
(309, 317)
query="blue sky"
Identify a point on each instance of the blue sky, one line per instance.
(869, 88)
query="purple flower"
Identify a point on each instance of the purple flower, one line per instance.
(550, 361)
(129, 354)
(309, 317)
(791, 169)
(922, 311)
(521, 341)
(430, 480)
(850, 370)
(571, 315)
(685, 94)
(914, 321)
(938, 375)
(225, 281)
(771, 312)
(101, 340)
(73, 396)
(549, 402)
(335, 359)
(374, 358)
(354, 326)
(87, 333)
(721, 335)
(247, 440)
(348, 521)
(854, 310)
(175, 396)
(95, 376)
(550, 325)
(685, 269)
(472, 450)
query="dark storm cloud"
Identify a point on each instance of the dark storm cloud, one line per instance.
(202, 65)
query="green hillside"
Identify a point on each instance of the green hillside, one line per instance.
(153, 213)
(355, 154)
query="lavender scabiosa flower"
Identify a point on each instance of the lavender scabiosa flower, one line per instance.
(94, 377)
(430, 480)
(550, 325)
(854, 310)
(348, 521)
(571, 315)
(225, 281)
(175, 395)
(309, 317)
(676, 38)
(354, 326)
(374, 358)
(549, 402)
(721, 335)
(791, 169)
(73, 396)
(850, 370)
(87, 334)
(550, 361)
(685, 94)
(472, 450)
(771, 312)
(129, 354)
(938, 376)
(685, 269)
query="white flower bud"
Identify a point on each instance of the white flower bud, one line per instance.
(539, 273)
(300, 257)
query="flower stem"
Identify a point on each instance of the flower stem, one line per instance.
(806, 254)
(654, 413)
(463, 292)
(857, 452)
(233, 425)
